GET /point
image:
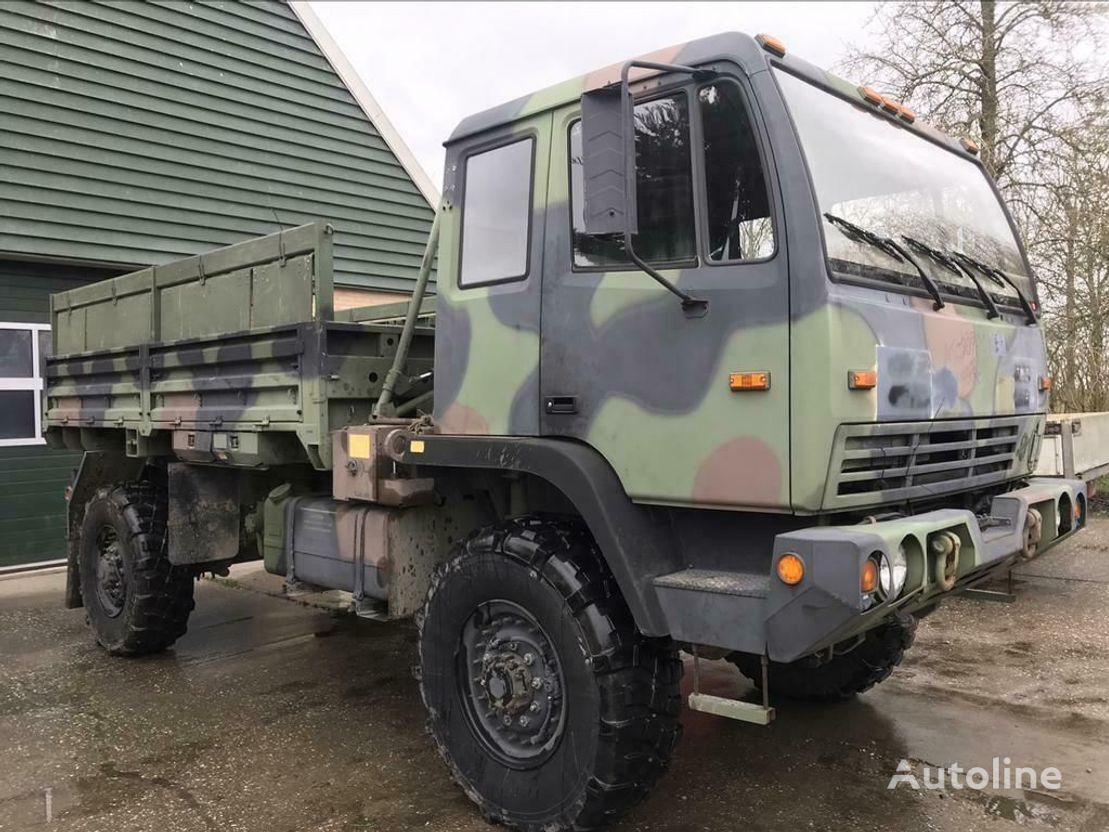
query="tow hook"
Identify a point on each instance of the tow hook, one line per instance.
(1033, 532)
(946, 546)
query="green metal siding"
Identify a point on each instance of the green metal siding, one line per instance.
(33, 477)
(136, 133)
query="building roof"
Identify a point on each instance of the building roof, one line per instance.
(364, 97)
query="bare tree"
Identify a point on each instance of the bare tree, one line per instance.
(1027, 82)
(1006, 74)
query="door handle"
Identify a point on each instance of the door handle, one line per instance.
(561, 405)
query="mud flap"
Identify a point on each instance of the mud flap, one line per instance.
(204, 516)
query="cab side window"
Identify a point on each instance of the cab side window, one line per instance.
(664, 190)
(496, 214)
(738, 210)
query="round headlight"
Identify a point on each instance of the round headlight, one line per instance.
(892, 572)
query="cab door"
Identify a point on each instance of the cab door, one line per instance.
(659, 392)
(490, 261)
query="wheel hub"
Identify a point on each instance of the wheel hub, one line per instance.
(111, 577)
(514, 686)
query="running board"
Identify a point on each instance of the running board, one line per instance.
(731, 708)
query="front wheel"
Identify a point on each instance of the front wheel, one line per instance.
(849, 671)
(136, 601)
(551, 710)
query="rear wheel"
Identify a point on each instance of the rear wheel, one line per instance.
(846, 673)
(551, 710)
(135, 600)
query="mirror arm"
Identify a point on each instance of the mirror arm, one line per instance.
(694, 307)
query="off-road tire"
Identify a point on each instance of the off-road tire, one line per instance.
(843, 676)
(156, 597)
(622, 697)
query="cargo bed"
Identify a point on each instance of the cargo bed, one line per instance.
(1076, 446)
(234, 357)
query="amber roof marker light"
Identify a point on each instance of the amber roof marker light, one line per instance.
(872, 95)
(771, 44)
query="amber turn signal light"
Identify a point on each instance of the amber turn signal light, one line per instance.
(868, 580)
(862, 379)
(772, 44)
(749, 381)
(791, 569)
(971, 146)
(1045, 383)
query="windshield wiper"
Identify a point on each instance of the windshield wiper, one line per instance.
(951, 264)
(890, 247)
(1000, 278)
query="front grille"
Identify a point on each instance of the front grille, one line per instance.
(896, 461)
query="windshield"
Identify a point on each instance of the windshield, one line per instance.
(873, 173)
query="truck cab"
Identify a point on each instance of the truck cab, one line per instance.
(863, 344)
(738, 176)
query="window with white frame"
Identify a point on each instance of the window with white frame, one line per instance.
(23, 350)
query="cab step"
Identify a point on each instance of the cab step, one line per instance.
(731, 708)
(753, 712)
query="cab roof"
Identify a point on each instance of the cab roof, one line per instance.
(744, 50)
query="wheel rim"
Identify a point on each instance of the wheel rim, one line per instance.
(511, 684)
(111, 578)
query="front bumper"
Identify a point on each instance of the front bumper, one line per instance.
(761, 613)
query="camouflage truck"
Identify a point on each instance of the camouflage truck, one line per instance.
(729, 355)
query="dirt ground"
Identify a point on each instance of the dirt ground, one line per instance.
(273, 716)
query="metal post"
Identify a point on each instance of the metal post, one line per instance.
(414, 303)
(1066, 439)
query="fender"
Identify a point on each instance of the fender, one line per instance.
(636, 541)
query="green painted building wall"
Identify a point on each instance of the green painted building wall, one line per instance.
(139, 132)
(32, 477)
(134, 133)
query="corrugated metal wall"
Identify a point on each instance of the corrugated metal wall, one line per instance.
(139, 132)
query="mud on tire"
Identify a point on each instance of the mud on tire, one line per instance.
(843, 676)
(135, 600)
(550, 709)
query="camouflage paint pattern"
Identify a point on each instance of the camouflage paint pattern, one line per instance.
(223, 350)
(651, 385)
(227, 357)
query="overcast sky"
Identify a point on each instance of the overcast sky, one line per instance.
(430, 64)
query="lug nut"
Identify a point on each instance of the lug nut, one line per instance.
(524, 722)
(512, 646)
(536, 683)
(507, 720)
(534, 707)
(529, 658)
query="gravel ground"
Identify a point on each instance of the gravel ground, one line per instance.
(270, 715)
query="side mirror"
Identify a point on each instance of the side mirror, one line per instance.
(608, 162)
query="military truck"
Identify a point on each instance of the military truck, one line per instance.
(728, 355)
